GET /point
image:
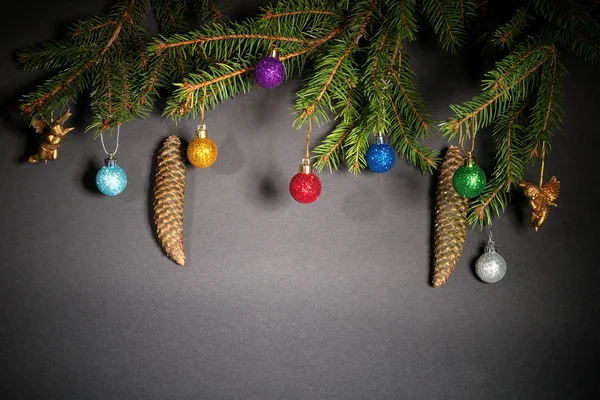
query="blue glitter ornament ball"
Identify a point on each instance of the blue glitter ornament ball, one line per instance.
(381, 157)
(111, 179)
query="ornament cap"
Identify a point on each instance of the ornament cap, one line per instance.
(111, 161)
(379, 138)
(490, 247)
(469, 160)
(305, 167)
(274, 53)
(201, 131)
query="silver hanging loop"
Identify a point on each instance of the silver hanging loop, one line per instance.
(111, 155)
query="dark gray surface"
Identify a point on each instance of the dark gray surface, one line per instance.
(281, 300)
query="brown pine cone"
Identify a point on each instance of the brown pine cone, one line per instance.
(450, 220)
(169, 191)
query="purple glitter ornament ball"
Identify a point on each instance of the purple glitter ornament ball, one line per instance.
(269, 72)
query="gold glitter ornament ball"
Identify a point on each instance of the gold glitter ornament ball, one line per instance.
(202, 151)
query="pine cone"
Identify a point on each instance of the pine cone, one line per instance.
(450, 220)
(169, 191)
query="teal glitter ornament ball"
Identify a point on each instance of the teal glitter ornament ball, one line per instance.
(469, 180)
(111, 179)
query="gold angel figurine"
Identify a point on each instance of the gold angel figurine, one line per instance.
(541, 198)
(53, 133)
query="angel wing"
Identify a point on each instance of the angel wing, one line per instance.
(551, 188)
(64, 118)
(39, 125)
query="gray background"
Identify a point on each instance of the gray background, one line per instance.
(281, 300)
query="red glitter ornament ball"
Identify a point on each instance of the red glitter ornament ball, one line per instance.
(305, 187)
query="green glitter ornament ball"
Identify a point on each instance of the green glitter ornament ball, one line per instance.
(469, 180)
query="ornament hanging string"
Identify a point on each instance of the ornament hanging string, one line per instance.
(308, 125)
(111, 180)
(543, 163)
(490, 237)
(462, 141)
(203, 105)
(116, 147)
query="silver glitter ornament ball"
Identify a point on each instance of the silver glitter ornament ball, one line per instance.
(490, 266)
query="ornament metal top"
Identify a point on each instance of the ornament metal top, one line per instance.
(540, 198)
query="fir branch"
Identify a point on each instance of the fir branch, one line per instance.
(125, 96)
(360, 145)
(39, 99)
(169, 19)
(404, 11)
(327, 152)
(270, 15)
(414, 109)
(488, 106)
(547, 110)
(586, 47)
(85, 31)
(109, 103)
(461, 5)
(161, 46)
(218, 15)
(481, 211)
(509, 139)
(308, 110)
(505, 36)
(440, 10)
(498, 83)
(425, 160)
(140, 45)
(405, 25)
(397, 49)
(551, 96)
(312, 45)
(191, 89)
(577, 24)
(355, 147)
(376, 58)
(351, 87)
(448, 19)
(374, 82)
(150, 85)
(61, 84)
(442, 14)
(116, 32)
(59, 54)
(570, 14)
(510, 135)
(187, 93)
(410, 104)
